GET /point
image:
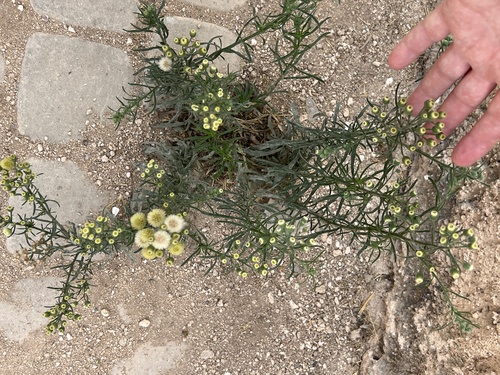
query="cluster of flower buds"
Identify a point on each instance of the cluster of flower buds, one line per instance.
(213, 106)
(188, 48)
(63, 312)
(17, 178)
(265, 252)
(96, 236)
(453, 236)
(386, 122)
(450, 236)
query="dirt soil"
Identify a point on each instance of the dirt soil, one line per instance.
(356, 318)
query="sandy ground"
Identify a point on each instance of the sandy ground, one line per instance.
(150, 319)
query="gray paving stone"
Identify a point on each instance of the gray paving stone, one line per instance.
(65, 183)
(180, 26)
(113, 15)
(149, 359)
(220, 5)
(2, 69)
(62, 78)
(21, 310)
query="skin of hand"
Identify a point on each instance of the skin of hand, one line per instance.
(473, 59)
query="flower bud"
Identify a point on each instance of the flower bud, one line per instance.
(402, 102)
(467, 266)
(455, 273)
(434, 115)
(428, 104)
(431, 142)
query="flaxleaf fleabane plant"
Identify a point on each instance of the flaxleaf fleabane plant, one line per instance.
(275, 183)
(156, 232)
(215, 109)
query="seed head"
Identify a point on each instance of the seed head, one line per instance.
(148, 253)
(165, 64)
(175, 223)
(144, 237)
(8, 163)
(156, 217)
(161, 239)
(176, 249)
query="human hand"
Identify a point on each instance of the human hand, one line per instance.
(473, 59)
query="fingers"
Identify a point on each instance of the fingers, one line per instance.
(465, 98)
(430, 30)
(481, 139)
(444, 73)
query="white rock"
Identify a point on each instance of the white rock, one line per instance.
(145, 323)
(270, 297)
(71, 30)
(389, 81)
(321, 289)
(293, 305)
(105, 312)
(207, 354)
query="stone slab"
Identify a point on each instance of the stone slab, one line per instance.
(149, 359)
(65, 183)
(180, 26)
(219, 5)
(114, 15)
(21, 311)
(62, 78)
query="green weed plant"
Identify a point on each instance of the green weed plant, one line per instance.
(275, 183)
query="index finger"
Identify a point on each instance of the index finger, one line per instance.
(428, 31)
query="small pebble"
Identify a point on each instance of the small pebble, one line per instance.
(321, 289)
(145, 323)
(207, 354)
(270, 297)
(105, 312)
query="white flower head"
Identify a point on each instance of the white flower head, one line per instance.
(161, 239)
(165, 64)
(175, 223)
(144, 237)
